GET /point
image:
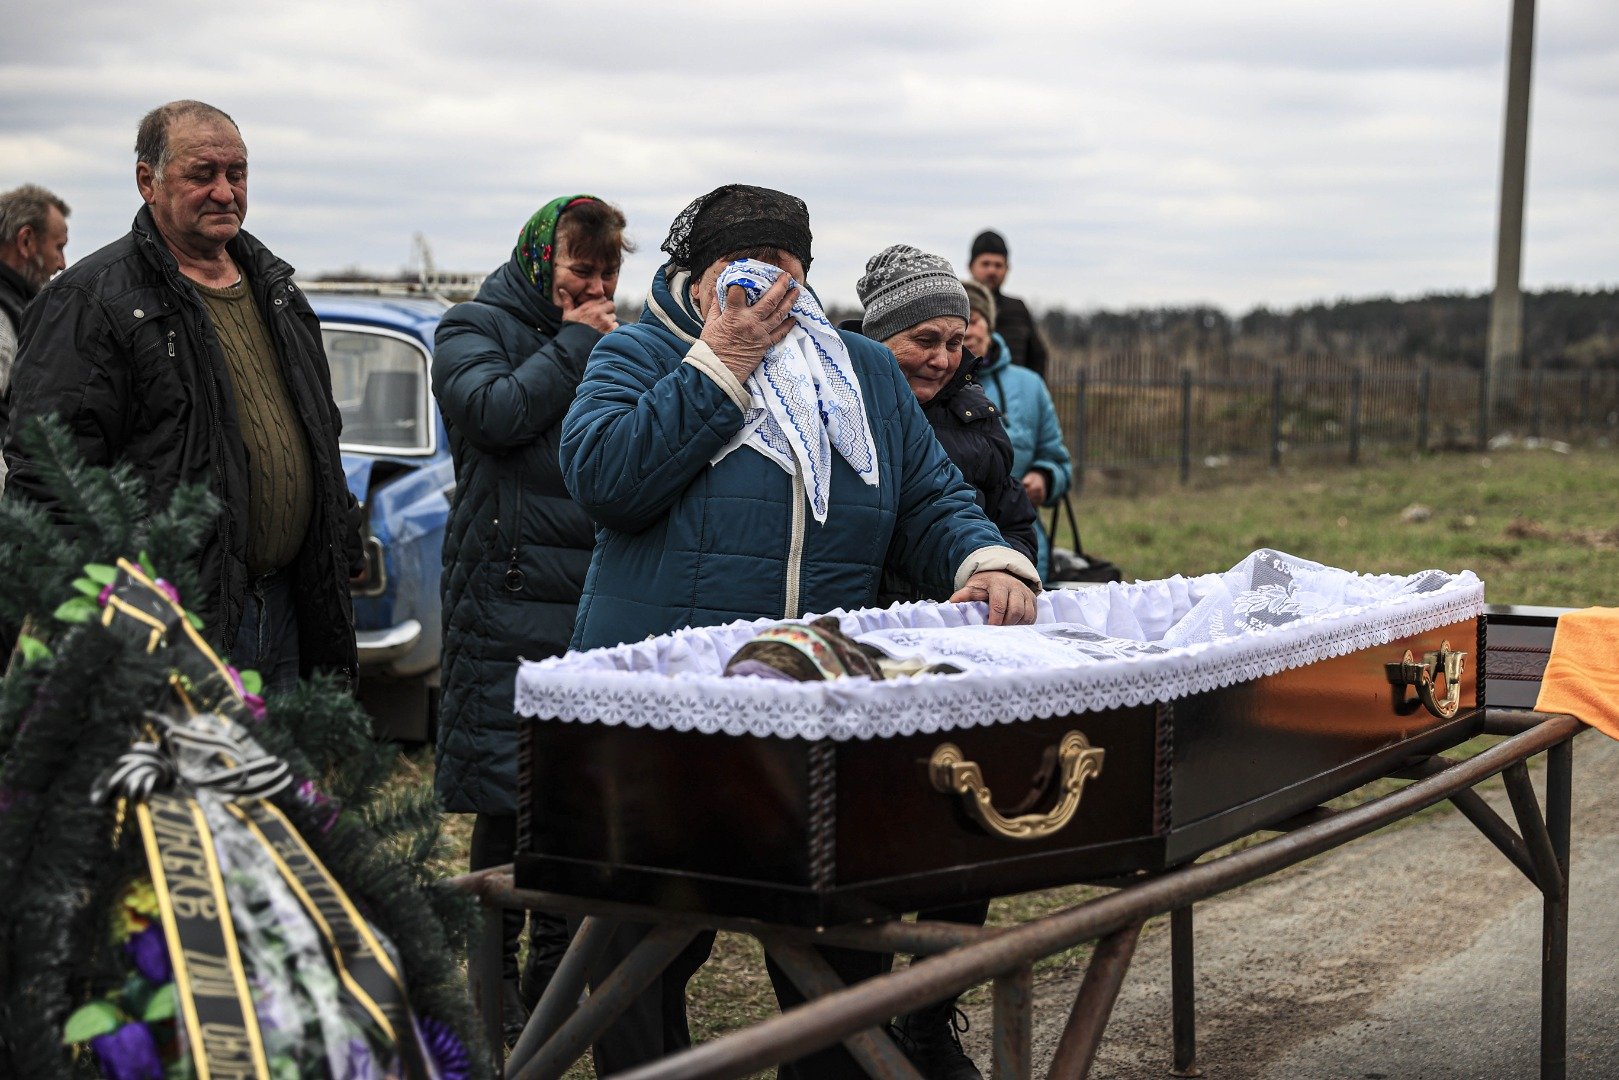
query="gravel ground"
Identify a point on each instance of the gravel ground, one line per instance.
(1410, 953)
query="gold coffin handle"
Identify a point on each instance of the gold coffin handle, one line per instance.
(1077, 761)
(1409, 672)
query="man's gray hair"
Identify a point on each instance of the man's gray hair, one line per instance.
(152, 139)
(27, 206)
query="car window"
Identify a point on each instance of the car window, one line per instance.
(380, 384)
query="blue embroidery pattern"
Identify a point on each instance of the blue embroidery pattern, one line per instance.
(804, 397)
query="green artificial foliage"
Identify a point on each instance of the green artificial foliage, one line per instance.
(80, 698)
(100, 514)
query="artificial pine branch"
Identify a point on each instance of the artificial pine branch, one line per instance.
(78, 501)
(37, 559)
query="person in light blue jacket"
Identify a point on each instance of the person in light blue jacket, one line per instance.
(1039, 455)
(727, 485)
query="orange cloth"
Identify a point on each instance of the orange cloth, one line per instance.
(1582, 676)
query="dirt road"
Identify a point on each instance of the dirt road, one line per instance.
(1412, 953)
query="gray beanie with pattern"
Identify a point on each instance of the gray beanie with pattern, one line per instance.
(904, 286)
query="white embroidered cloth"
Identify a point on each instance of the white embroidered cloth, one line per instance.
(805, 397)
(1103, 648)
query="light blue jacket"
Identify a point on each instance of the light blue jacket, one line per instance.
(1031, 422)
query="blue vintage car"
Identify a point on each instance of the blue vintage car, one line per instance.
(397, 460)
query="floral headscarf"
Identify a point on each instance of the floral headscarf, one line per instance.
(536, 243)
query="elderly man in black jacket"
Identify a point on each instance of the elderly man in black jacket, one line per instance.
(185, 350)
(33, 234)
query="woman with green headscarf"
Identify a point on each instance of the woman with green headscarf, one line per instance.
(516, 547)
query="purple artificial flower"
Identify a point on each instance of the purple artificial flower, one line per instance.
(235, 680)
(149, 952)
(255, 706)
(358, 1064)
(130, 1053)
(168, 590)
(310, 796)
(106, 591)
(450, 1057)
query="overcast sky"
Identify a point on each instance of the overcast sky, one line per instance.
(1145, 153)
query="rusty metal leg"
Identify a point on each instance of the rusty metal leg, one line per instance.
(1076, 1050)
(872, 1048)
(1554, 929)
(561, 995)
(1542, 853)
(486, 979)
(607, 1002)
(1183, 993)
(1014, 1025)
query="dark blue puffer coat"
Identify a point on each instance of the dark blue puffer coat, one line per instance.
(517, 546)
(685, 543)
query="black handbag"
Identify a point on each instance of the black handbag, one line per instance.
(1074, 565)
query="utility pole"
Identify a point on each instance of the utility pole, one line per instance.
(1505, 350)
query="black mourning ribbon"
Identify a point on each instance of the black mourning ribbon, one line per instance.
(224, 760)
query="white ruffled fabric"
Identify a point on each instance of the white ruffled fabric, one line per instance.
(805, 397)
(1104, 648)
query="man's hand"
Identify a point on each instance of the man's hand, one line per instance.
(741, 335)
(1010, 601)
(598, 314)
(1034, 486)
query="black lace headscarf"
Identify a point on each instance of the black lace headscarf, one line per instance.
(734, 218)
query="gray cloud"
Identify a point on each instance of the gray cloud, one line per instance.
(1133, 154)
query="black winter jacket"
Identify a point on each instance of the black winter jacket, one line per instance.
(15, 293)
(1015, 324)
(517, 547)
(968, 426)
(121, 346)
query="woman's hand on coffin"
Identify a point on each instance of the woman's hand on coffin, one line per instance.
(1010, 601)
(740, 335)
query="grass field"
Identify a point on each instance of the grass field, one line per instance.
(1537, 525)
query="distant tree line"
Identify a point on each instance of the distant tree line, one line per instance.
(1563, 328)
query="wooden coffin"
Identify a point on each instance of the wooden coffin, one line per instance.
(822, 831)
(1520, 645)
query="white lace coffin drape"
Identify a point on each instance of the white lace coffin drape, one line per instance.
(1101, 648)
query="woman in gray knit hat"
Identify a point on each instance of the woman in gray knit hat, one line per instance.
(915, 305)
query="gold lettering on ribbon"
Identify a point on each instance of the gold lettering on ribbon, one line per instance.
(355, 953)
(210, 976)
(221, 1024)
(230, 1051)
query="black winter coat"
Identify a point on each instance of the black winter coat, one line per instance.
(516, 549)
(15, 293)
(968, 426)
(121, 346)
(1015, 324)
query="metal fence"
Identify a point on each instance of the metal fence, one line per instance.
(1123, 415)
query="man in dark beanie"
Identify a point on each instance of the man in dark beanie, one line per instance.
(988, 265)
